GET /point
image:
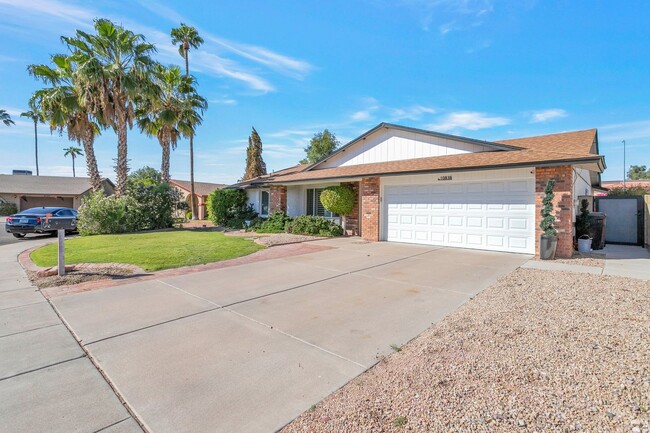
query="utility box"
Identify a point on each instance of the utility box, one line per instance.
(59, 223)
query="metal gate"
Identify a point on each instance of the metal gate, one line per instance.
(624, 223)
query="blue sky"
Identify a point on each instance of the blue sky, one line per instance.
(484, 69)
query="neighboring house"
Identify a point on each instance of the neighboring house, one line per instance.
(36, 191)
(425, 187)
(201, 191)
(618, 184)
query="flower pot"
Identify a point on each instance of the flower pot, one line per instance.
(584, 244)
(547, 246)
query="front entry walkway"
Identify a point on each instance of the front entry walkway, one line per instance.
(248, 348)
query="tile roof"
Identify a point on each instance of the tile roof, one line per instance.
(44, 185)
(554, 149)
(200, 188)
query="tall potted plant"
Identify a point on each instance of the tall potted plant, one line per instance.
(582, 227)
(548, 240)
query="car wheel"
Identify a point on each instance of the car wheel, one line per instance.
(18, 235)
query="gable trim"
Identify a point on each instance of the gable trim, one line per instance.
(495, 146)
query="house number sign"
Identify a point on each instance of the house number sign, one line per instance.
(444, 178)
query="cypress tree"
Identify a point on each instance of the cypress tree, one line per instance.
(255, 165)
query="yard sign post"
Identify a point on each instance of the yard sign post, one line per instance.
(61, 235)
(60, 224)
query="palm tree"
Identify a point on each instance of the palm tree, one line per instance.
(73, 152)
(6, 118)
(186, 37)
(114, 68)
(62, 109)
(37, 117)
(159, 112)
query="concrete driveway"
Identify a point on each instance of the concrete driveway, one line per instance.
(248, 348)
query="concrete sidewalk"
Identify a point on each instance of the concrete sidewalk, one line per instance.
(47, 384)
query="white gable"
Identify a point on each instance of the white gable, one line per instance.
(389, 144)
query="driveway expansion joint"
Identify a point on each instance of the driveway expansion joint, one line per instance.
(41, 368)
(272, 328)
(31, 330)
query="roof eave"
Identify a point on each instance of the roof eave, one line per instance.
(598, 160)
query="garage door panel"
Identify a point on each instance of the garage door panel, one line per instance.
(493, 215)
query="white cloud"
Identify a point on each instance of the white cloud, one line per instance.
(454, 14)
(470, 120)
(223, 101)
(637, 130)
(414, 112)
(210, 58)
(546, 115)
(51, 8)
(361, 115)
(280, 63)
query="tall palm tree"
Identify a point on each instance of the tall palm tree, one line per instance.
(6, 118)
(62, 108)
(114, 67)
(37, 117)
(73, 152)
(187, 36)
(159, 112)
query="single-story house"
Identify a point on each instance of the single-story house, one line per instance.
(36, 191)
(618, 184)
(425, 187)
(201, 191)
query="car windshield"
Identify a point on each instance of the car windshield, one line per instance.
(38, 211)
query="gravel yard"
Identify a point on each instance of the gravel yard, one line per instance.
(539, 351)
(583, 259)
(285, 238)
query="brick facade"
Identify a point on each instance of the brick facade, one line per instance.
(370, 206)
(563, 205)
(352, 220)
(278, 198)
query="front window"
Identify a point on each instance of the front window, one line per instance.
(264, 203)
(314, 206)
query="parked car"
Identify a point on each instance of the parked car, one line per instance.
(31, 220)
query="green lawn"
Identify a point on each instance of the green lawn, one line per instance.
(150, 251)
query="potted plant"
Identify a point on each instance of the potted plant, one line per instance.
(582, 227)
(548, 240)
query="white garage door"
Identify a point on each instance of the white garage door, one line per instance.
(496, 215)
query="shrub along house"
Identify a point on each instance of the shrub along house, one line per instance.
(424, 187)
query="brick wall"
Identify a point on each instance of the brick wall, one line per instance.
(352, 220)
(562, 205)
(278, 198)
(370, 209)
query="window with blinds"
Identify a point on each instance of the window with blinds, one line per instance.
(314, 206)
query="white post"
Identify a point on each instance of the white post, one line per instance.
(61, 235)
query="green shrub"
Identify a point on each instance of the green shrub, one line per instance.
(548, 219)
(8, 209)
(227, 204)
(236, 223)
(275, 223)
(313, 225)
(156, 205)
(256, 223)
(99, 214)
(582, 219)
(338, 199)
(148, 204)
